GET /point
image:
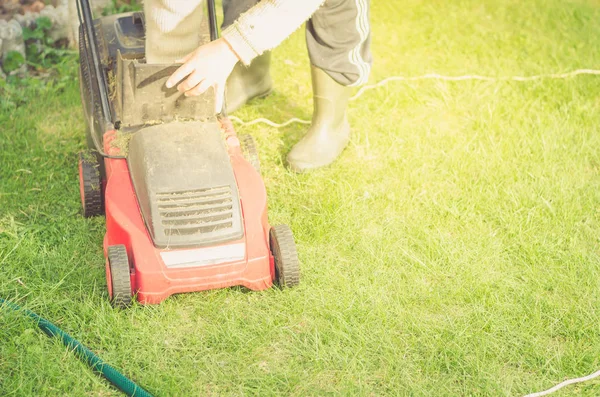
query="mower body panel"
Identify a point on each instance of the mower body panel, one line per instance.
(158, 273)
(185, 184)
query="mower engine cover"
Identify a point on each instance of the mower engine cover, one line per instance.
(185, 185)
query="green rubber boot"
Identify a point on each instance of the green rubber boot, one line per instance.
(329, 132)
(245, 83)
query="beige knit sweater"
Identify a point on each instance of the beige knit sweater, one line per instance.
(267, 24)
(172, 27)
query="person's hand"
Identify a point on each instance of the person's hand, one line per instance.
(208, 66)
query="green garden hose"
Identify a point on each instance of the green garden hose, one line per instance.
(120, 381)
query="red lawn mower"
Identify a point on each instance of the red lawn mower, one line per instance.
(185, 204)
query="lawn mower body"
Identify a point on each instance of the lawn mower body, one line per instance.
(196, 257)
(185, 204)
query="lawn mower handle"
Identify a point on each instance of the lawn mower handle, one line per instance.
(212, 20)
(84, 12)
(214, 34)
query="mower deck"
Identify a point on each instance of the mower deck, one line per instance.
(159, 272)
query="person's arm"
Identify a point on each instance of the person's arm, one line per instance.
(266, 25)
(262, 28)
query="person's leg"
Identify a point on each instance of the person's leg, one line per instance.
(173, 29)
(338, 40)
(245, 83)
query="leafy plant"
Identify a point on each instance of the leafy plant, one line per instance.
(43, 52)
(42, 26)
(120, 6)
(13, 60)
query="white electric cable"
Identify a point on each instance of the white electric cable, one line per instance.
(268, 122)
(430, 76)
(435, 76)
(563, 384)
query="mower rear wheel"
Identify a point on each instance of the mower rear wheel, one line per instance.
(283, 248)
(119, 277)
(90, 184)
(250, 151)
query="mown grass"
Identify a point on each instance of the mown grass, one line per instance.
(452, 249)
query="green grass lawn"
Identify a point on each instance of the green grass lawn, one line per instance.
(452, 250)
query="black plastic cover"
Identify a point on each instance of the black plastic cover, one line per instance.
(122, 33)
(185, 184)
(141, 96)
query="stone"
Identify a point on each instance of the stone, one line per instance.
(60, 21)
(11, 36)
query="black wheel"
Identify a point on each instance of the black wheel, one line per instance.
(90, 184)
(250, 152)
(120, 279)
(283, 247)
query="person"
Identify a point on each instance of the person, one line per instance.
(238, 63)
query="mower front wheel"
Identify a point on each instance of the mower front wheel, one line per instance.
(90, 184)
(283, 248)
(118, 277)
